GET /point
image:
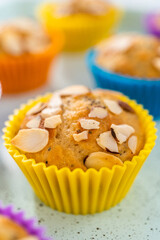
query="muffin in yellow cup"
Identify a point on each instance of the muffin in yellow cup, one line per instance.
(83, 22)
(26, 53)
(80, 149)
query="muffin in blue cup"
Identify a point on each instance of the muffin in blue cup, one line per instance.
(129, 63)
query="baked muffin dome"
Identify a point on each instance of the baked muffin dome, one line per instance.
(130, 54)
(22, 36)
(10, 230)
(77, 126)
(91, 7)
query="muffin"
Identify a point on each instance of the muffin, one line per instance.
(83, 23)
(129, 63)
(14, 226)
(77, 138)
(73, 128)
(26, 53)
(152, 23)
(11, 230)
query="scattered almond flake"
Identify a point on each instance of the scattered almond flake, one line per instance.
(31, 140)
(113, 106)
(36, 109)
(98, 112)
(106, 141)
(80, 136)
(52, 122)
(89, 124)
(34, 122)
(11, 43)
(121, 132)
(121, 44)
(98, 160)
(125, 106)
(99, 143)
(48, 112)
(156, 63)
(73, 90)
(34, 45)
(132, 144)
(55, 101)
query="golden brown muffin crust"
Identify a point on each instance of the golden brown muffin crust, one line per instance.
(92, 7)
(130, 54)
(63, 151)
(10, 230)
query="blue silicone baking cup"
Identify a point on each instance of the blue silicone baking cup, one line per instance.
(144, 91)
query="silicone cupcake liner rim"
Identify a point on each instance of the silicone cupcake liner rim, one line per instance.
(19, 218)
(46, 97)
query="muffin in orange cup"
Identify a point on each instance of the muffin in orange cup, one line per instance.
(80, 149)
(26, 53)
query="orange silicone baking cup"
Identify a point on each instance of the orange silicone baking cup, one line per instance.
(80, 192)
(27, 72)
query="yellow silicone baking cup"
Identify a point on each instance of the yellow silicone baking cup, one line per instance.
(28, 72)
(80, 192)
(81, 31)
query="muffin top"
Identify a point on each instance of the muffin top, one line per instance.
(92, 7)
(10, 230)
(22, 36)
(130, 54)
(80, 128)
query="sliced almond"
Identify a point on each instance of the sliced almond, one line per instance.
(34, 123)
(89, 124)
(80, 136)
(125, 106)
(55, 101)
(36, 109)
(106, 141)
(48, 112)
(74, 90)
(98, 112)
(122, 44)
(113, 106)
(121, 132)
(132, 144)
(52, 122)
(11, 43)
(99, 143)
(118, 45)
(156, 63)
(98, 160)
(31, 140)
